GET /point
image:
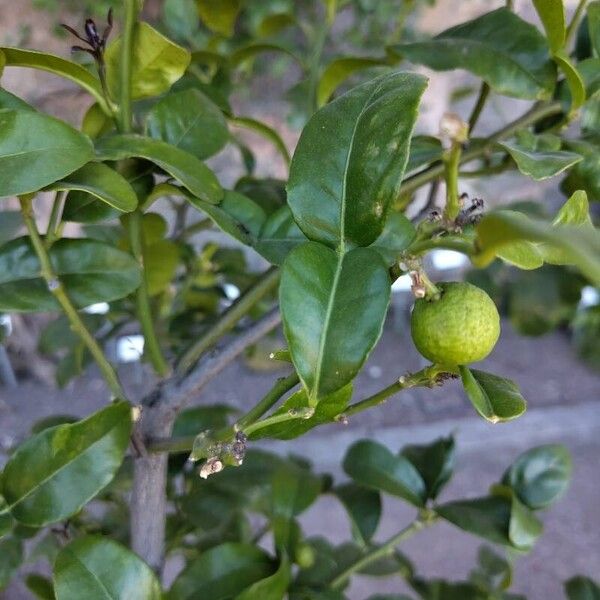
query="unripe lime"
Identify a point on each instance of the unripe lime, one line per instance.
(459, 328)
(304, 555)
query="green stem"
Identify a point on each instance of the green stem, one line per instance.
(574, 24)
(57, 290)
(143, 309)
(386, 549)
(484, 92)
(424, 377)
(537, 113)
(52, 233)
(125, 73)
(292, 415)
(230, 318)
(315, 63)
(459, 244)
(451, 163)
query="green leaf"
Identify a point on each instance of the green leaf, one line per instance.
(103, 183)
(219, 15)
(493, 571)
(266, 132)
(423, 151)
(435, 463)
(350, 160)
(540, 475)
(541, 165)
(494, 398)
(97, 568)
(573, 78)
(374, 466)
(90, 272)
(524, 528)
(181, 165)
(273, 587)
(11, 222)
(40, 587)
(11, 102)
(522, 254)
(189, 120)
(36, 150)
(508, 53)
(249, 51)
(552, 16)
(157, 63)
(582, 588)
(17, 57)
(575, 211)
(54, 473)
(222, 572)
(333, 307)
(364, 509)
(398, 232)
(326, 411)
(593, 15)
(181, 18)
(279, 236)
(11, 551)
(339, 70)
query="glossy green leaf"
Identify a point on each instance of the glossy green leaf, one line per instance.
(279, 236)
(17, 57)
(435, 462)
(81, 207)
(582, 588)
(326, 411)
(540, 475)
(374, 466)
(508, 53)
(266, 132)
(573, 78)
(97, 568)
(339, 70)
(495, 398)
(398, 232)
(273, 587)
(350, 160)
(36, 150)
(90, 272)
(522, 254)
(219, 15)
(222, 572)
(552, 16)
(103, 183)
(189, 120)
(9, 101)
(157, 63)
(333, 307)
(54, 473)
(181, 165)
(364, 508)
(11, 557)
(541, 165)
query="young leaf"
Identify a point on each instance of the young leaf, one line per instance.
(540, 475)
(54, 473)
(350, 160)
(36, 150)
(374, 466)
(219, 15)
(541, 165)
(333, 308)
(364, 508)
(103, 183)
(573, 78)
(552, 16)
(189, 120)
(97, 568)
(508, 53)
(582, 588)
(181, 165)
(494, 398)
(90, 271)
(157, 63)
(222, 572)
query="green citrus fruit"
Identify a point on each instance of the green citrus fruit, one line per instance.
(459, 328)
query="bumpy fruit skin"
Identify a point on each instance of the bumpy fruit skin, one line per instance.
(459, 328)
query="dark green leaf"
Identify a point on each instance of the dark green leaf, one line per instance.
(266, 132)
(200, 418)
(103, 183)
(97, 568)
(398, 232)
(90, 271)
(54, 473)
(333, 308)
(222, 572)
(40, 587)
(423, 151)
(10, 224)
(540, 475)
(9, 101)
(582, 588)
(181, 18)
(364, 508)
(510, 54)
(374, 466)
(593, 14)
(493, 571)
(439, 589)
(494, 398)
(552, 15)
(189, 120)
(435, 462)
(279, 236)
(273, 587)
(157, 63)
(326, 411)
(586, 332)
(11, 557)
(181, 165)
(541, 165)
(350, 160)
(36, 150)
